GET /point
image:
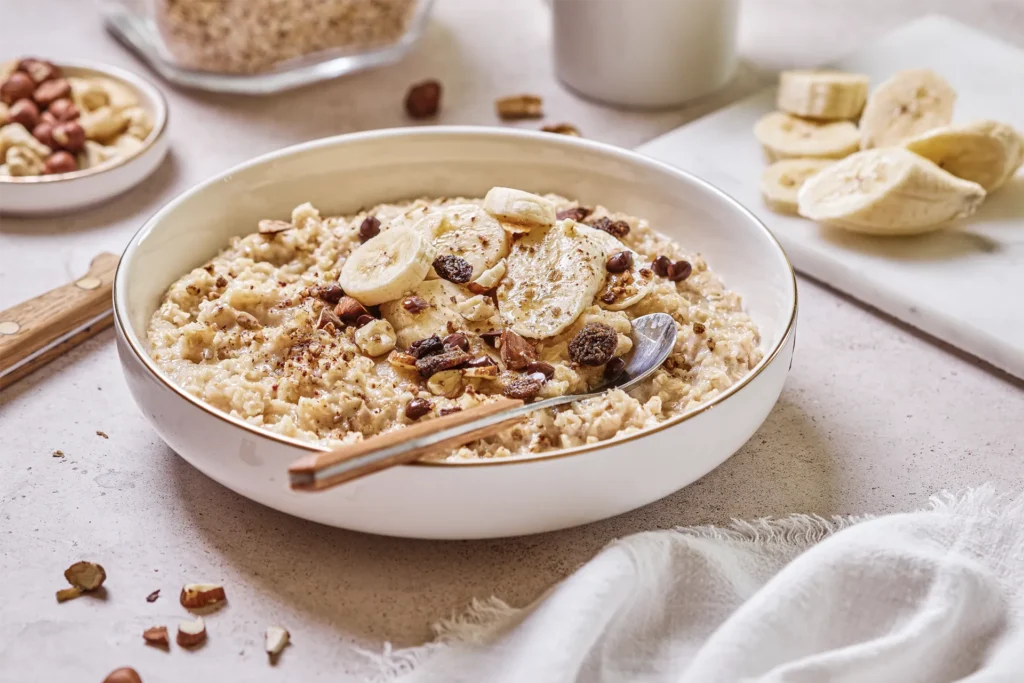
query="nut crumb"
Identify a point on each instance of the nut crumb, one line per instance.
(272, 227)
(58, 453)
(157, 636)
(153, 596)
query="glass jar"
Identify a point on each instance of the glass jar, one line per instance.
(264, 46)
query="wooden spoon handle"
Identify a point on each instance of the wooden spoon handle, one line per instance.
(319, 471)
(38, 330)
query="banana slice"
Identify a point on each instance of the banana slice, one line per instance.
(908, 104)
(781, 181)
(519, 211)
(887, 191)
(553, 274)
(436, 312)
(386, 266)
(827, 95)
(467, 231)
(621, 290)
(787, 137)
(984, 152)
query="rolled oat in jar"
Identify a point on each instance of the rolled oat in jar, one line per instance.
(253, 36)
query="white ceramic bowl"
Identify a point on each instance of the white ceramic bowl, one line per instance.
(448, 500)
(61, 193)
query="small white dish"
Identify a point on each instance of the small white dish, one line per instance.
(479, 499)
(61, 193)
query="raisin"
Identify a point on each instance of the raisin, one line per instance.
(593, 345)
(614, 369)
(525, 388)
(417, 408)
(576, 213)
(450, 411)
(660, 266)
(698, 328)
(426, 347)
(546, 369)
(620, 262)
(423, 99)
(369, 228)
(679, 271)
(453, 268)
(447, 360)
(616, 228)
(516, 352)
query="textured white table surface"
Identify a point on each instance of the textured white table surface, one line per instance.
(874, 417)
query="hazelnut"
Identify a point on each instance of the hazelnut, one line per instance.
(423, 99)
(620, 262)
(25, 112)
(546, 369)
(197, 595)
(517, 107)
(123, 675)
(60, 162)
(457, 340)
(679, 271)
(516, 352)
(63, 109)
(85, 575)
(18, 86)
(350, 310)
(417, 408)
(191, 633)
(44, 133)
(369, 228)
(330, 293)
(660, 266)
(157, 636)
(70, 136)
(491, 337)
(563, 129)
(51, 91)
(47, 117)
(39, 70)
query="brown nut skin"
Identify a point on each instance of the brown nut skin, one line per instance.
(60, 162)
(125, 674)
(63, 109)
(39, 70)
(50, 91)
(47, 117)
(44, 133)
(18, 86)
(70, 135)
(25, 112)
(417, 408)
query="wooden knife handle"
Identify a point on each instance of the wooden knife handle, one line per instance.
(305, 471)
(36, 331)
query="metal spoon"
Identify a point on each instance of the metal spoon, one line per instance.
(654, 337)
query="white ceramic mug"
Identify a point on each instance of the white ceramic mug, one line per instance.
(645, 53)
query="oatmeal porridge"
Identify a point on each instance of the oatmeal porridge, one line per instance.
(333, 329)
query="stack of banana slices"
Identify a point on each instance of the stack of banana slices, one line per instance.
(888, 163)
(508, 262)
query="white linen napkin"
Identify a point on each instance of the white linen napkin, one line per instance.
(929, 596)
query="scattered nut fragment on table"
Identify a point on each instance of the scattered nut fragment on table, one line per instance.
(123, 675)
(562, 129)
(517, 107)
(276, 640)
(199, 595)
(83, 577)
(51, 124)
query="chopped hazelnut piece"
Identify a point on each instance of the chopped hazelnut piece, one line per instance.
(515, 107)
(423, 99)
(157, 636)
(272, 227)
(516, 352)
(191, 633)
(563, 129)
(198, 595)
(85, 575)
(417, 408)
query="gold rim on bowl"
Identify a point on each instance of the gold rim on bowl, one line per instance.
(147, 362)
(161, 112)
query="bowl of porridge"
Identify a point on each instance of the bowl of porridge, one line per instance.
(356, 285)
